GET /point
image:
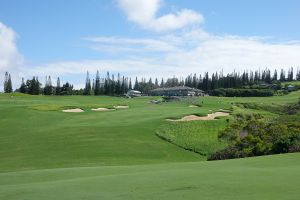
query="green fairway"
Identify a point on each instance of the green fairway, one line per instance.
(36, 134)
(48, 154)
(33, 138)
(268, 177)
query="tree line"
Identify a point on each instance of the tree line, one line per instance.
(119, 85)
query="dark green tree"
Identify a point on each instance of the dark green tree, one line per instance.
(136, 84)
(118, 89)
(58, 87)
(88, 88)
(290, 74)
(97, 84)
(275, 76)
(298, 75)
(7, 83)
(282, 75)
(33, 86)
(156, 85)
(130, 85)
(67, 89)
(48, 89)
(23, 88)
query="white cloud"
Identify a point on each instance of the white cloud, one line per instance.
(10, 58)
(116, 44)
(140, 11)
(197, 51)
(236, 53)
(178, 20)
(144, 14)
(9, 55)
(190, 52)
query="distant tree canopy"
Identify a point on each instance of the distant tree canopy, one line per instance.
(214, 84)
(33, 86)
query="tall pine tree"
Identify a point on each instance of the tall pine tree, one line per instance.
(58, 87)
(7, 83)
(97, 84)
(48, 89)
(23, 88)
(282, 75)
(88, 88)
(130, 85)
(136, 84)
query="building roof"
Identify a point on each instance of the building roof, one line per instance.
(290, 86)
(134, 91)
(176, 88)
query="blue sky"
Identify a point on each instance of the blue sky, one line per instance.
(146, 38)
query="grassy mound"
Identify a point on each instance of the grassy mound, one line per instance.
(197, 136)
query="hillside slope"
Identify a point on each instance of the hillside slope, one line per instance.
(269, 177)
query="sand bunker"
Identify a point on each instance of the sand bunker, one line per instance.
(121, 107)
(223, 110)
(102, 109)
(195, 117)
(193, 106)
(75, 110)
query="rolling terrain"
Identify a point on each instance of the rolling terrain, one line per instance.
(45, 153)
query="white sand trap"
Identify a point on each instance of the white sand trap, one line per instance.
(223, 110)
(193, 106)
(195, 117)
(121, 107)
(102, 109)
(75, 110)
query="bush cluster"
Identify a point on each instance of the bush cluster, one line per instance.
(232, 92)
(252, 135)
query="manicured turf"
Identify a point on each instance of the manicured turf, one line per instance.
(35, 134)
(268, 177)
(48, 154)
(33, 138)
(196, 136)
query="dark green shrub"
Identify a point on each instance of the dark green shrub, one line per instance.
(232, 92)
(250, 135)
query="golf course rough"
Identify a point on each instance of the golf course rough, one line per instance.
(269, 177)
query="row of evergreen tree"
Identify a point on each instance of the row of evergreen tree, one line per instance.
(110, 85)
(237, 80)
(34, 87)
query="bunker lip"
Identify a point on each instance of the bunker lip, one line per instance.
(102, 109)
(74, 110)
(194, 106)
(225, 111)
(195, 117)
(121, 107)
